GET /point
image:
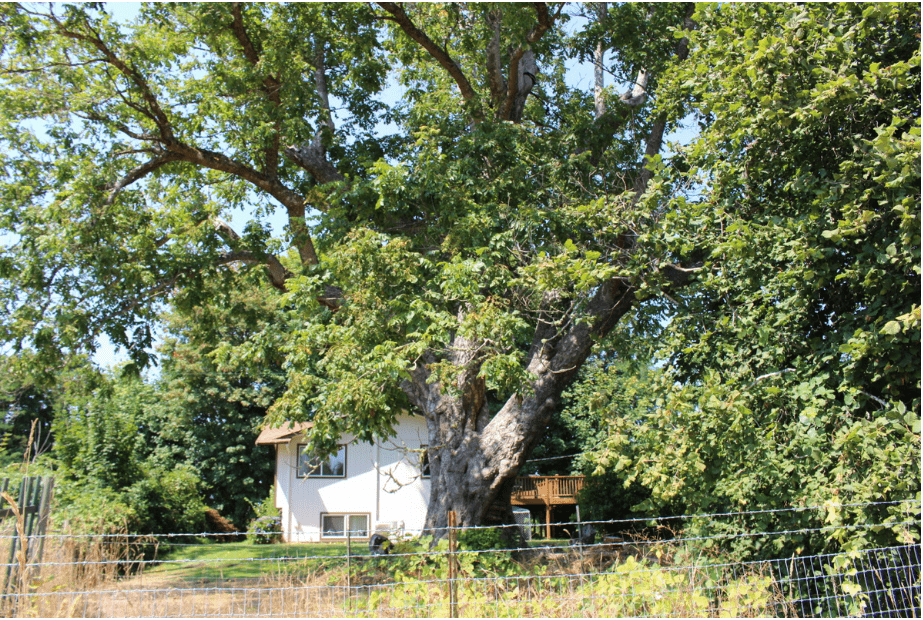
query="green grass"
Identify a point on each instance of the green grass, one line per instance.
(241, 560)
(207, 562)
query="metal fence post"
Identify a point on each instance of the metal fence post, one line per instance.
(453, 592)
(349, 552)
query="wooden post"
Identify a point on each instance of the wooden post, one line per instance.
(44, 512)
(547, 521)
(16, 541)
(453, 592)
(32, 507)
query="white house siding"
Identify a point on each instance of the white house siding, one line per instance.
(382, 481)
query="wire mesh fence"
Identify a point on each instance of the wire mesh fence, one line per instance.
(648, 567)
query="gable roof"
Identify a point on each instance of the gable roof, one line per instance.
(272, 436)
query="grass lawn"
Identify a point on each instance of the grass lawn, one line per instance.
(208, 562)
(241, 560)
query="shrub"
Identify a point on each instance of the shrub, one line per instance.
(481, 539)
(87, 509)
(168, 502)
(640, 589)
(266, 528)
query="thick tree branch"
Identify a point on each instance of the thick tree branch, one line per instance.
(178, 150)
(218, 161)
(554, 360)
(655, 139)
(139, 172)
(522, 79)
(439, 54)
(494, 75)
(251, 53)
(271, 86)
(278, 274)
(154, 111)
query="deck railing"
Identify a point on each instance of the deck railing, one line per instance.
(547, 489)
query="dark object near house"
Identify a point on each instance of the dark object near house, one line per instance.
(379, 545)
(587, 536)
(221, 529)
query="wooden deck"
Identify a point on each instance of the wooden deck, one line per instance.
(547, 491)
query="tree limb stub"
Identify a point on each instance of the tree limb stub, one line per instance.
(638, 94)
(312, 157)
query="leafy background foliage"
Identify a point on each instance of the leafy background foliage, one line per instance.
(793, 374)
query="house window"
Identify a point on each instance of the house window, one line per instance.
(424, 461)
(334, 526)
(310, 466)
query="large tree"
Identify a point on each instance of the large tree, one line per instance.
(456, 251)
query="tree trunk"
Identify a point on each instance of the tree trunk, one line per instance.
(475, 457)
(473, 465)
(472, 470)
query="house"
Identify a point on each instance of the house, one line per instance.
(362, 489)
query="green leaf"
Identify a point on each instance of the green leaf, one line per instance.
(891, 328)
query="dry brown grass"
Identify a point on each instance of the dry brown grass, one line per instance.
(72, 571)
(87, 577)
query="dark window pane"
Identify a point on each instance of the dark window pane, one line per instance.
(333, 525)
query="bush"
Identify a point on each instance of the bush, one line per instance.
(168, 502)
(266, 528)
(481, 539)
(641, 589)
(87, 509)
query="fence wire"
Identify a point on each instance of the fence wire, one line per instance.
(640, 570)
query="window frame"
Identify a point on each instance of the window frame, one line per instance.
(306, 473)
(346, 518)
